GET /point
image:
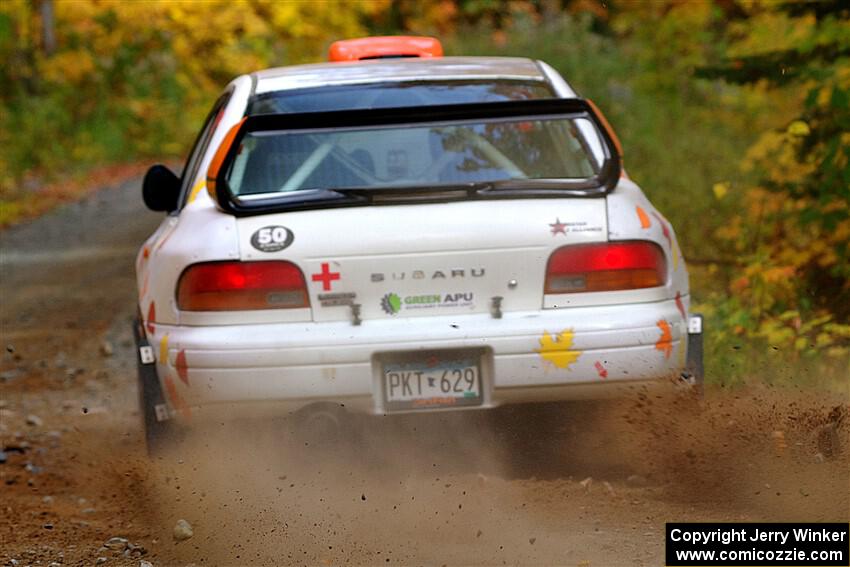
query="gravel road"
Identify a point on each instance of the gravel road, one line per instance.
(589, 485)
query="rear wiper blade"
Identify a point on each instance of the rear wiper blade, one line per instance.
(540, 185)
(424, 188)
(308, 196)
(476, 187)
(416, 193)
(370, 194)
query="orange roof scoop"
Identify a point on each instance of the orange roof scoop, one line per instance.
(384, 47)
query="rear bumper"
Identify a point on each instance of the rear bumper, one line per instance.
(290, 365)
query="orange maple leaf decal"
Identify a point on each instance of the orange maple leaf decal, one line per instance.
(665, 343)
(644, 218)
(556, 348)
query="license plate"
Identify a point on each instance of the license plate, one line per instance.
(434, 381)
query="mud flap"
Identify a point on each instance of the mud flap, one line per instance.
(152, 403)
(694, 370)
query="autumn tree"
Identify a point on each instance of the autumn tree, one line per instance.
(793, 233)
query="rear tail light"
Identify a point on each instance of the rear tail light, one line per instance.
(236, 286)
(606, 266)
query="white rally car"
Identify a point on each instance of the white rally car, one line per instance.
(397, 231)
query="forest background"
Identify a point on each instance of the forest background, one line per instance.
(734, 116)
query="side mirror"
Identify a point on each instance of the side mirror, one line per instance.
(161, 189)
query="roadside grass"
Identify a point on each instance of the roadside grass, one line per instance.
(732, 360)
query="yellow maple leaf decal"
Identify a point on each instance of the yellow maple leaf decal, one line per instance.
(556, 348)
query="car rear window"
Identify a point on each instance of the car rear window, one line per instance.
(389, 95)
(456, 152)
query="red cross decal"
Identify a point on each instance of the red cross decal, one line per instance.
(326, 277)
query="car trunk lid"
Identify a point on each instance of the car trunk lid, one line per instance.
(424, 259)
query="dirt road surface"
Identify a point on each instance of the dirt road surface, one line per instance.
(587, 485)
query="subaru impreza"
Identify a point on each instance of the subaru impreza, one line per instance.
(395, 231)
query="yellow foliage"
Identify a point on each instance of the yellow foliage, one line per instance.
(72, 67)
(778, 151)
(771, 30)
(720, 190)
(777, 274)
(799, 128)
(137, 77)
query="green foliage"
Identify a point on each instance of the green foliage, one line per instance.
(792, 234)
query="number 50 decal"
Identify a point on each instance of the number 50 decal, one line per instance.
(272, 238)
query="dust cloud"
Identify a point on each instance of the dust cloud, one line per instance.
(553, 484)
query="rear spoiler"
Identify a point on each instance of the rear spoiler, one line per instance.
(601, 184)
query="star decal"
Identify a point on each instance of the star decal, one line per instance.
(558, 227)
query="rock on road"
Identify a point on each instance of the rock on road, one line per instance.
(591, 485)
